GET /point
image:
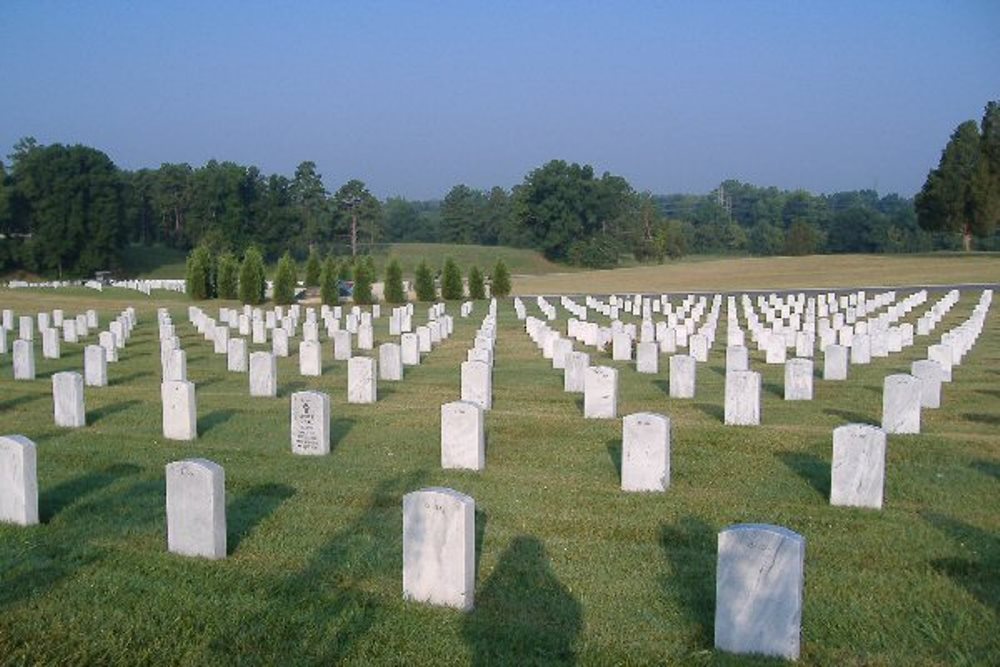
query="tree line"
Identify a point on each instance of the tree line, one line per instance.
(69, 210)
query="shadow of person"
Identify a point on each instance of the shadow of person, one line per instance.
(523, 614)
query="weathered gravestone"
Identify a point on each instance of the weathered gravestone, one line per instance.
(50, 344)
(341, 345)
(18, 481)
(742, 398)
(362, 380)
(24, 359)
(477, 383)
(682, 376)
(310, 358)
(857, 475)
(577, 364)
(901, 404)
(835, 362)
(390, 362)
(463, 442)
(410, 349)
(600, 393)
(67, 400)
(310, 429)
(175, 369)
(737, 358)
(798, 380)
(263, 374)
(647, 358)
(645, 452)
(236, 355)
(95, 366)
(758, 590)
(930, 375)
(439, 544)
(180, 410)
(196, 508)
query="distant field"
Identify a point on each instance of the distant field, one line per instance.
(772, 273)
(162, 262)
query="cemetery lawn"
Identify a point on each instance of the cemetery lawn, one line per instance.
(765, 273)
(569, 568)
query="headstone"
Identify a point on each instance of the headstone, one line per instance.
(25, 327)
(577, 364)
(362, 380)
(647, 358)
(310, 423)
(645, 452)
(24, 359)
(424, 339)
(600, 393)
(477, 383)
(236, 355)
(861, 350)
(390, 362)
(95, 366)
(279, 342)
(776, 350)
(220, 344)
(175, 369)
(835, 362)
(901, 395)
(366, 336)
(942, 354)
(180, 410)
(698, 347)
(196, 508)
(106, 339)
(737, 358)
(742, 398)
(310, 358)
(799, 380)
(18, 481)
(621, 347)
(561, 348)
(758, 590)
(857, 475)
(263, 374)
(341, 345)
(462, 436)
(682, 376)
(930, 375)
(410, 349)
(50, 344)
(439, 537)
(67, 399)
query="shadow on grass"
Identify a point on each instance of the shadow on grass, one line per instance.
(339, 428)
(54, 500)
(988, 468)
(774, 389)
(851, 417)
(252, 507)
(663, 386)
(114, 382)
(993, 393)
(980, 418)
(523, 615)
(331, 598)
(690, 549)
(482, 518)
(814, 470)
(716, 412)
(615, 454)
(214, 419)
(94, 416)
(290, 388)
(977, 575)
(12, 403)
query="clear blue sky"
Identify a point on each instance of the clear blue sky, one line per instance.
(415, 97)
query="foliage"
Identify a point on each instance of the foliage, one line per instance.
(313, 268)
(963, 193)
(252, 278)
(802, 238)
(345, 271)
(451, 281)
(424, 283)
(500, 280)
(363, 278)
(358, 215)
(228, 276)
(328, 288)
(285, 280)
(477, 286)
(200, 277)
(597, 252)
(394, 283)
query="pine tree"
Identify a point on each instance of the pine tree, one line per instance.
(329, 289)
(424, 280)
(500, 280)
(362, 284)
(313, 268)
(284, 280)
(477, 288)
(200, 274)
(394, 283)
(229, 276)
(252, 279)
(451, 281)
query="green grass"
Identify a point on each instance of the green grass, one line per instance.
(153, 262)
(569, 568)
